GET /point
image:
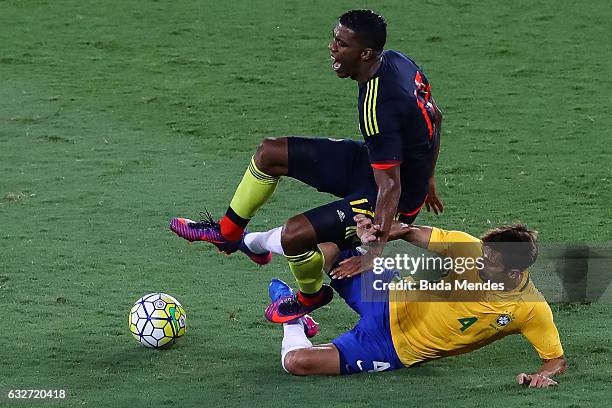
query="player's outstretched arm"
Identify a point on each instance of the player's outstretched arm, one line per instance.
(415, 234)
(543, 378)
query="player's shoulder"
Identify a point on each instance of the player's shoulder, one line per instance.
(454, 244)
(397, 58)
(396, 76)
(530, 294)
(399, 67)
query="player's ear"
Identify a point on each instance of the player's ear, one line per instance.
(514, 274)
(366, 54)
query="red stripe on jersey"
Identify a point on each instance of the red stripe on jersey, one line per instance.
(423, 90)
(418, 80)
(385, 166)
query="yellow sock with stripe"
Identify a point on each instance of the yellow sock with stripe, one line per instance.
(308, 270)
(252, 192)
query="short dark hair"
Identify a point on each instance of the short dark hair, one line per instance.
(517, 244)
(371, 28)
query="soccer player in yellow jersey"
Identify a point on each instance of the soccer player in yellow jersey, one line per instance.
(397, 328)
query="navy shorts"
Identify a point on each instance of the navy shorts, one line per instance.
(368, 346)
(336, 166)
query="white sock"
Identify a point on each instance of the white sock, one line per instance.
(294, 338)
(262, 242)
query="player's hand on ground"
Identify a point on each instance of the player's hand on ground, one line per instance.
(535, 380)
(349, 267)
(433, 202)
(366, 230)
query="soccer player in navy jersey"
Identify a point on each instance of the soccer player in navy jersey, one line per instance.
(389, 176)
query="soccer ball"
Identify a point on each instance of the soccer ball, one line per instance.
(157, 320)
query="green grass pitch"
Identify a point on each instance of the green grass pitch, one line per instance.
(117, 115)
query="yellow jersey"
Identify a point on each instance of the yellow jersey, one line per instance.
(428, 330)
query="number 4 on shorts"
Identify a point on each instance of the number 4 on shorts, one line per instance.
(380, 366)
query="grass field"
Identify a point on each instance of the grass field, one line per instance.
(117, 115)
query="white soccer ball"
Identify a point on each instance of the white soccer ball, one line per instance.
(157, 320)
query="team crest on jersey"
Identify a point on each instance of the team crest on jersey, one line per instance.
(503, 320)
(340, 215)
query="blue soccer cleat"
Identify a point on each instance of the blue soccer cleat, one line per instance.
(278, 289)
(287, 305)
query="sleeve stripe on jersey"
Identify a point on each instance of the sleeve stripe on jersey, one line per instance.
(374, 108)
(369, 108)
(385, 166)
(366, 99)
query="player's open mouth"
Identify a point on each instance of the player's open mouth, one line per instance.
(335, 64)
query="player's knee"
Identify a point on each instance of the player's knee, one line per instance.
(299, 362)
(271, 156)
(297, 236)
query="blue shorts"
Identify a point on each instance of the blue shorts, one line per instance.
(368, 346)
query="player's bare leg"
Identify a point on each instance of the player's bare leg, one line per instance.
(321, 359)
(298, 236)
(272, 156)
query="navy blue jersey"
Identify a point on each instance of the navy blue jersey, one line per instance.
(396, 121)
